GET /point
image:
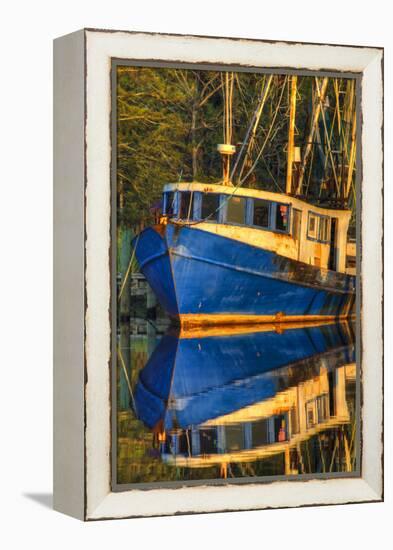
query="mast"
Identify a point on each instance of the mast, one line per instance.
(352, 156)
(291, 135)
(227, 149)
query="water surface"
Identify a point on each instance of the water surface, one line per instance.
(239, 402)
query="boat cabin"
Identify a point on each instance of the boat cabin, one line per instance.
(276, 222)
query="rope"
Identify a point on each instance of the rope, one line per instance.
(254, 118)
(267, 136)
(123, 284)
(127, 379)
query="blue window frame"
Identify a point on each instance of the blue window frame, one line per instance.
(197, 205)
(281, 219)
(260, 215)
(236, 210)
(210, 207)
(170, 204)
(186, 205)
(318, 227)
(233, 210)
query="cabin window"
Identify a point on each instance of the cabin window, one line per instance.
(184, 443)
(234, 437)
(323, 228)
(210, 206)
(208, 441)
(280, 428)
(310, 414)
(296, 224)
(261, 213)
(282, 211)
(186, 205)
(323, 407)
(170, 204)
(318, 227)
(312, 226)
(260, 432)
(236, 210)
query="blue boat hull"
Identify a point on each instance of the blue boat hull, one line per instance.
(200, 277)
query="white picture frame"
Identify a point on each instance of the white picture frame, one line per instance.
(82, 241)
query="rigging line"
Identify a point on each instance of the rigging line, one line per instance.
(256, 122)
(316, 108)
(190, 205)
(271, 175)
(327, 138)
(322, 455)
(350, 149)
(152, 324)
(330, 137)
(123, 365)
(267, 135)
(337, 93)
(123, 284)
(229, 195)
(351, 167)
(309, 172)
(332, 125)
(241, 94)
(351, 443)
(333, 455)
(262, 98)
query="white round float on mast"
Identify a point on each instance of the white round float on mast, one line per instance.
(226, 150)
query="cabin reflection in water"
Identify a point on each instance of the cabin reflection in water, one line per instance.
(221, 399)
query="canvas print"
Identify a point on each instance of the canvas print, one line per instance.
(235, 243)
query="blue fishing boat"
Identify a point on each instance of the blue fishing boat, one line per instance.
(225, 255)
(235, 397)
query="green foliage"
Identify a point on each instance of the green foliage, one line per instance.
(169, 122)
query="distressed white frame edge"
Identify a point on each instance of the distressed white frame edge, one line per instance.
(101, 46)
(69, 275)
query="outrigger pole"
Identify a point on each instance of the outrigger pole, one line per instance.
(291, 135)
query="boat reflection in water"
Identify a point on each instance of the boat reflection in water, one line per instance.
(232, 398)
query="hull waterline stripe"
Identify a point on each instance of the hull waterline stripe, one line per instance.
(198, 319)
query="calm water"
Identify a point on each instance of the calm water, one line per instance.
(235, 403)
